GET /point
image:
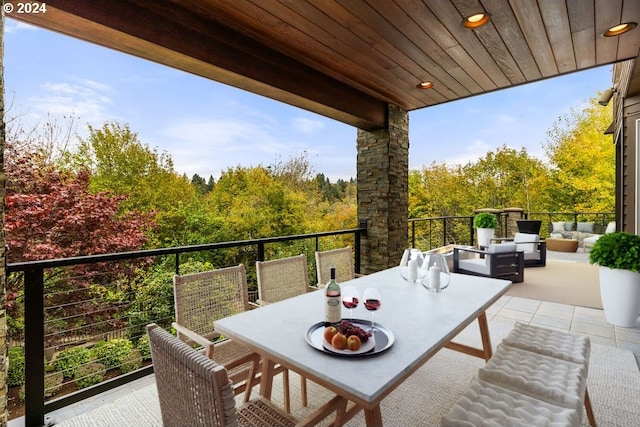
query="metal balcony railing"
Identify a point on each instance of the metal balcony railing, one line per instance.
(44, 331)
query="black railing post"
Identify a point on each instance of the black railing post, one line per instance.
(357, 251)
(34, 346)
(413, 234)
(444, 231)
(472, 231)
(177, 270)
(260, 251)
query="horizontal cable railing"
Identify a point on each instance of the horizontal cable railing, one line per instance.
(84, 317)
(84, 301)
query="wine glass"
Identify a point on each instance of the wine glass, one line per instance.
(350, 299)
(372, 302)
(411, 265)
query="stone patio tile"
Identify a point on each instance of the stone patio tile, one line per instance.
(588, 329)
(523, 304)
(516, 314)
(555, 322)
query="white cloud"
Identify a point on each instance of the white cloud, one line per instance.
(11, 26)
(471, 153)
(87, 99)
(306, 125)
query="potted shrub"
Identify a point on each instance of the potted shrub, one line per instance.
(618, 257)
(485, 224)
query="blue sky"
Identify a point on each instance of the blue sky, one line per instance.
(207, 127)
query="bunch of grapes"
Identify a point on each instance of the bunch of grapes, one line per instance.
(347, 329)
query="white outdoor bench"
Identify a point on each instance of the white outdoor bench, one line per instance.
(537, 376)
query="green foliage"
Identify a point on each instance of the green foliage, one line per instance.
(89, 374)
(69, 360)
(15, 375)
(112, 353)
(619, 250)
(582, 161)
(52, 383)
(131, 363)
(485, 220)
(143, 347)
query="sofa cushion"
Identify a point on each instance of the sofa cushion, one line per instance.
(557, 227)
(568, 226)
(585, 227)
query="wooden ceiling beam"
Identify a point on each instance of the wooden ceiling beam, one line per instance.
(210, 50)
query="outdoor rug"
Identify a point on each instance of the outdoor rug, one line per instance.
(613, 382)
(562, 282)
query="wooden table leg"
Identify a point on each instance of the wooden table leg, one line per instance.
(484, 333)
(373, 417)
(266, 378)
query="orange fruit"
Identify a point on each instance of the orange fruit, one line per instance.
(339, 341)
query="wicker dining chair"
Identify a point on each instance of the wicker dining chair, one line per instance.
(278, 280)
(193, 390)
(202, 298)
(341, 259)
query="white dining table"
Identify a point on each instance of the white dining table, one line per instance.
(422, 322)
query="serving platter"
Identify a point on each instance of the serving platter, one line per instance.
(383, 339)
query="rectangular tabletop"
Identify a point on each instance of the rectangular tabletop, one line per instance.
(422, 322)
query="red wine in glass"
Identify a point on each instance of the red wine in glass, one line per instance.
(350, 303)
(372, 304)
(350, 299)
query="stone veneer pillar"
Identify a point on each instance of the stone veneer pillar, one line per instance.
(383, 202)
(4, 361)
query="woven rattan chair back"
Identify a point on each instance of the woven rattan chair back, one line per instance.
(195, 391)
(282, 278)
(202, 298)
(192, 389)
(341, 259)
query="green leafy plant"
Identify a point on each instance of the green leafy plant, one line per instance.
(15, 375)
(619, 250)
(485, 220)
(69, 360)
(112, 353)
(133, 362)
(143, 347)
(89, 374)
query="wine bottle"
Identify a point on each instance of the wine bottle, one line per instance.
(332, 309)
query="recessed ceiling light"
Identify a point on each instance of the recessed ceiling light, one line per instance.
(425, 85)
(476, 20)
(620, 29)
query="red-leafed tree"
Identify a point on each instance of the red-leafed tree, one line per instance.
(52, 214)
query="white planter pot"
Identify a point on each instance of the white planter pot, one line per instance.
(485, 235)
(620, 292)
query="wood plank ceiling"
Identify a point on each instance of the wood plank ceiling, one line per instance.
(346, 59)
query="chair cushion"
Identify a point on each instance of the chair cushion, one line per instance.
(476, 265)
(611, 227)
(495, 248)
(526, 242)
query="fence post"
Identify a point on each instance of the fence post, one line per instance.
(260, 251)
(34, 346)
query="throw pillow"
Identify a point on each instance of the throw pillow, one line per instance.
(585, 227)
(611, 227)
(557, 227)
(568, 226)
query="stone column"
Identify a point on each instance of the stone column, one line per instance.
(4, 361)
(383, 201)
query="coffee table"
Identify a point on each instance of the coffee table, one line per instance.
(421, 321)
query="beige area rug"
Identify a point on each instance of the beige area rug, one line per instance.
(614, 388)
(563, 282)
